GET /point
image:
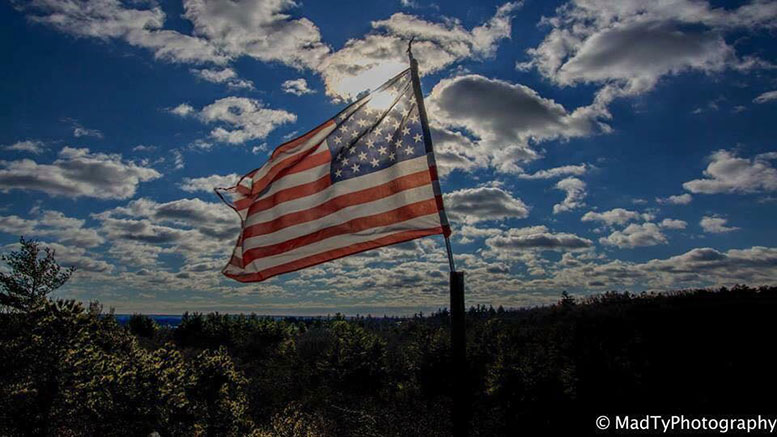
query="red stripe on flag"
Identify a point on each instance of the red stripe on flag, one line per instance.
(310, 162)
(296, 141)
(394, 186)
(290, 165)
(243, 203)
(333, 254)
(397, 215)
(291, 193)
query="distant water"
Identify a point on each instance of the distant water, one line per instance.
(173, 320)
(170, 320)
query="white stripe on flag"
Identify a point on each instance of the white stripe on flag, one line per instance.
(315, 140)
(422, 222)
(295, 179)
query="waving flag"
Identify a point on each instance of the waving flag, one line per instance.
(364, 179)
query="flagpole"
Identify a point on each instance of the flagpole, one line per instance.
(459, 385)
(451, 265)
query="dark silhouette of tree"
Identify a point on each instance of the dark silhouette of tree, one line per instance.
(142, 325)
(567, 300)
(33, 276)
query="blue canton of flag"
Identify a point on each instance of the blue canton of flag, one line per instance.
(377, 132)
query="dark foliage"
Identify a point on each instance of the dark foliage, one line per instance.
(70, 370)
(142, 325)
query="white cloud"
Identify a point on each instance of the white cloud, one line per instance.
(31, 146)
(68, 255)
(66, 230)
(669, 223)
(136, 254)
(143, 148)
(630, 44)
(271, 31)
(182, 110)
(550, 173)
(240, 119)
(258, 149)
(728, 173)
(451, 35)
(111, 19)
(297, 87)
(453, 150)
(617, 216)
(208, 183)
(710, 106)
(535, 238)
(716, 225)
(506, 118)
(636, 235)
(695, 268)
(290, 135)
(575, 193)
(196, 230)
(178, 162)
(172, 46)
(365, 63)
(246, 119)
(226, 76)
(261, 29)
(209, 218)
(268, 30)
(468, 233)
(641, 52)
(80, 131)
(768, 96)
(753, 265)
(76, 173)
(472, 205)
(223, 30)
(680, 199)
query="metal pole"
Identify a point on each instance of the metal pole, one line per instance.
(460, 412)
(450, 255)
(460, 387)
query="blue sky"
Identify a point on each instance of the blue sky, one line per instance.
(586, 145)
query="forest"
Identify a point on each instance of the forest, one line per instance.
(71, 369)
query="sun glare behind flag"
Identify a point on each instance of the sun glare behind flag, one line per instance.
(364, 179)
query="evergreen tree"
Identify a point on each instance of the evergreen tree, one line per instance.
(32, 277)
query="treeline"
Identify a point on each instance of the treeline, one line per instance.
(69, 369)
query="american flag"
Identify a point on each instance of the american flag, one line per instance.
(364, 179)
